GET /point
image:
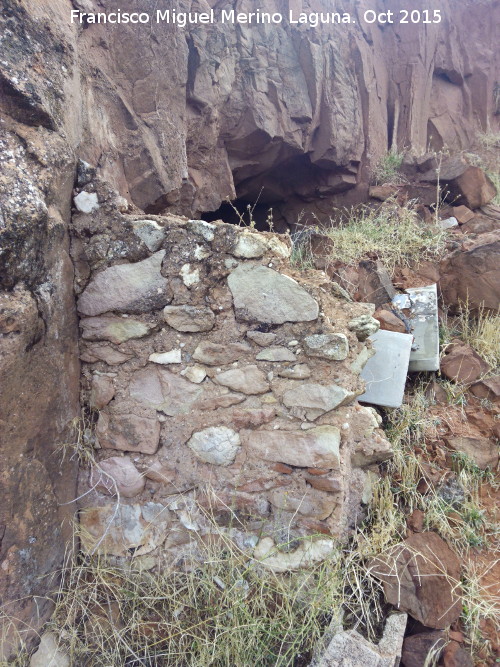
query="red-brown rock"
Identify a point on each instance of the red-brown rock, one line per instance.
(462, 363)
(462, 214)
(416, 521)
(464, 183)
(489, 388)
(417, 648)
(483, 451)
(389, 321)
(329, 484)
(421, 577)
(456, 656)
(472, 273)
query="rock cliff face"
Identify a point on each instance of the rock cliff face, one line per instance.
(178, 120)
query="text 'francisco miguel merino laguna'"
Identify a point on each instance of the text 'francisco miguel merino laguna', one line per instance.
(183, 19)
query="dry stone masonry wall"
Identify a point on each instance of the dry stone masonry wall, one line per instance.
(222, 384)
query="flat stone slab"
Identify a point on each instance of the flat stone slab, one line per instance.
(263, 295)
(424, 323)
(316, 448)
(385, 373)
(134, 288)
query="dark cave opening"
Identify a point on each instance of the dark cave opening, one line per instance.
(263, 217)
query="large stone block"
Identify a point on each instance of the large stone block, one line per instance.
(263, 295)
(133, 288)
(315, 448)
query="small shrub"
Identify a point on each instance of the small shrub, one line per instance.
(387, 169)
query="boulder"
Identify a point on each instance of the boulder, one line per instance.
(321, 398)
(166, 358)
(261, 338)
(150, 233)
(128, 433)
(471, 274)
(106, 353)
(364, 326)
(489, 389)
(103, 390)
(86, 202)
(297, 372)
(132, 288)
(349, 648)
(462, 363)
(194, 374)
(216, 354)
(421, 576)
(124, 530)
(463, 214)
(309, 503)
(263, 295)
(249, 245)
(276, 354)
(305, 555)
(465, 184)
(160, 389)
(455, 655)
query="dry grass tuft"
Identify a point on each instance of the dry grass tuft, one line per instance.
(393, 234)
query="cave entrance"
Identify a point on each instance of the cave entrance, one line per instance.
(263, 217)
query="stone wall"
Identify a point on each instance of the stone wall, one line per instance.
(219, 379)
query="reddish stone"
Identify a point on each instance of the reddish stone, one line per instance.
(128, 433)
(489, 388)
(102, 391)
(462, 214)
(118, 474)
(416, 521)
(389, 321)
(421, 577)
(264, 484)
(472, 273)
(456, 656)
(375, 285)
(417, 647)
(482, 451)
(329, 484)
(282, 468)
(464, 183)
(462, 364)
(315, 526)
